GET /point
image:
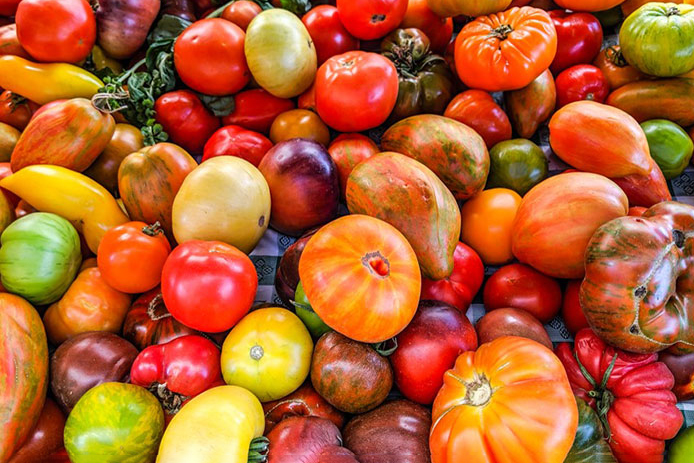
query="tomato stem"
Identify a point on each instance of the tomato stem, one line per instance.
(479, 392)
(603, 396)
(218, 12)
(614, 55)
(153, 230)
(502, 32)
(376, 263)
(383, 349)
(156, 302)
(673, 11)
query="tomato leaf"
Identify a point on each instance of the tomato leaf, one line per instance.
(298, 7)
(167, 29)
(220, 106)
(264, 4)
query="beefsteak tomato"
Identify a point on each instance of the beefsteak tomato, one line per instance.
(45, 439)
(588, 5)
(590, 445)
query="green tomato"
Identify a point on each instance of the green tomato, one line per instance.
(114, 423)
(304, 311)
(39, 257)
(682, 449)
(670, 146)
(517, 164)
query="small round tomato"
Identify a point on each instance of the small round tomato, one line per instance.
(241, 13)
(571, 310)
(371, 19)
(299, 123)
(439, 30)
(487, 220)
(478, 110)
(187, 121)
(56, 30)
(307, 100)
(581, 82)
(208, 285)
(256, 109)
(356, 91)
(16, 110)
(522, 287)
(234, 140)
(131, 256)
(209, 57)
(329, 35)
(348, 150)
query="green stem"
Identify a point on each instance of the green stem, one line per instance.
(123, 77)
(218, 12)
(153, 230)
(383, 349)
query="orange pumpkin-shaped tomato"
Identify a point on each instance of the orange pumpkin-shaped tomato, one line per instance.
(588, 5)
(361, 277)
(505, 51)
(509, 402)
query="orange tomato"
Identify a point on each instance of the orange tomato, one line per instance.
(348, 150)
(299, 123)
(361, 277)
(588, 5)
(307, 100)
(615, 68)
(509, 402)
(629, 6)
(478, 110)
(439, 30)
(487, 223)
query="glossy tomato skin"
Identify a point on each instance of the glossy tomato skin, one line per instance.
(522, 287)
(581, 82)
(428, 347)
(56, 30)
(478, 110)
(16, 111)
(348, 150)
(186, 119)
(45, 439)
(256, 109)
(8, 7)
(234, 140)
(356, 91)
(208, 285)
(6, 170)
(461, 287)
(299, 123)
(371, 19)
(571, 311)
(579, 39)
(305, 401)
(328, 33)
(209, 57)
(439, 30)
(241, 13)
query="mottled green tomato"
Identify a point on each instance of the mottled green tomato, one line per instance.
(682, 448)
(670, 146)
(114, 423)
(517, 164)
(39, 257)
(304, 311)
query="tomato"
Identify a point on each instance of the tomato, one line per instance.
(581, 82)
(477, 109)
(303, 309)
(428, 347)
(46, 437)
(305, 401)
(571, 311)
(371, 19)
(356, 91)
(268, 352)
(208, 285)
(126, 139)
(329, 35)
(185, 119)
(209, 57)
(517, 164)
(670, 146)
(579, 38)
(309, 438)
(8, 7)
(438, 29)
(256, 109)
(9, 43)
(234, 140)
(348, 150)
(307, 100)
(683, 447)
(588, 5)
(241, 13)
(16, 110)
(470, 8)
(56, 30)
(299, 123)
(615, 68)
(131, 256)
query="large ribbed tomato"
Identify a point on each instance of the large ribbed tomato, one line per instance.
(509, 402)
(362, 277)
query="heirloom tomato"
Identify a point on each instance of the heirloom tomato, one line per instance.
(328, 33)
(670, 146)
(255, 110)
(8, 7)
(371, 19)
(234, 140)
(45, 439)
(187, 121)
(16, 110)
(511, 322)
(477, 109)
(531, 105)
(348, 150)
(581, 82)
(579, 38)
(571, 311)
(682, 448)
(8, 140)
(671, 99)
(309, 438)
(590, 445)
(615, 68)
(470, 8)
(588, 5)
(122, 27)
(517, 165)
(438, 29)
(126, 139)
(299, 123)
(307, 100)
(268, 352)
(208, 285)
(303, 309)
(305, 401)
(241, 13)
(682, 368)
(287, 275)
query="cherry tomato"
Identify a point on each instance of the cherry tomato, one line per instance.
(348, 150)
(241, 13)
(329, 35)
(186, 119)
(256, 109)
(299, 123)
(356, 91)
(307, 100)
(56, 30)
(461, 287)
(234, 140)
(522, 287)
(209, 57)
(8, 7)
(208, 285)
(477, 109)
(439, 30)
(579, 39)
(371, 19)
(131, 256)
(16, 110)
(581, 82)
(571, 310)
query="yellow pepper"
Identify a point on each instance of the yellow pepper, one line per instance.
(71, 195)
(44, 83)
(102, 60)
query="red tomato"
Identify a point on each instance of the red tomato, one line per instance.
(571, 310)
(208, 285)
(439, 30)
(636, 211)
(46, 106)
(187, 121)
(371, 19)
(329, 35)
(234, 140)
(131, 256)
(579, 39)
(348, 150)
(209, 57)
(356, 91)
(256, 110)
(5, 170)
(461, 287)
(56, 30)
(8, 7)
(307, 100)
(16, 110)
(522, 287)
(241, 13)
(477, 109)
(581, 82)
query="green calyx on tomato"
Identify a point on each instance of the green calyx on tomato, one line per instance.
(304, 311)
(670, 146)
(590, 445)
(517, 165)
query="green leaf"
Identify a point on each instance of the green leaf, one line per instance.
(220, 106)
(167, 29)
(298, 7)
(264, 4)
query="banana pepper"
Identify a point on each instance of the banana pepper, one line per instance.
(69, 194)
(44, 83)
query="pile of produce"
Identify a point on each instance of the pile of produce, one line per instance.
(352, 231)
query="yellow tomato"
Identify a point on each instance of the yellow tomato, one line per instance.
(217, 426)
(268, 352)
(299, 123)
(487, 221)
